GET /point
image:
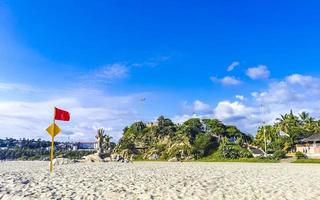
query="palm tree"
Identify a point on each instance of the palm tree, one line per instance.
(316, 126)
(305, 118)
(283, 124)
(107, 141)
(287, 122)
(308, 122)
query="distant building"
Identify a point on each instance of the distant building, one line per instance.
(85, 146)
(310, 146)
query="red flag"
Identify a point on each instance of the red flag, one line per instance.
(61, 115)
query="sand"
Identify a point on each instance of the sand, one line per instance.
(146, 180)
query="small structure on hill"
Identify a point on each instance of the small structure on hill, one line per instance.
(310, 146)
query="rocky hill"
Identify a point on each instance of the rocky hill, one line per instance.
(165, 140)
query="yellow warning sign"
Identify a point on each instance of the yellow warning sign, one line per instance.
(53, 130)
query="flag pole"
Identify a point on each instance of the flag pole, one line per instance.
(52, 140)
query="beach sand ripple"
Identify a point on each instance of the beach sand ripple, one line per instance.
(159, 180)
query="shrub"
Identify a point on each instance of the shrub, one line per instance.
(204, 144)
(299, 155)
(279, 154)
(175, 150)
(126, 144)
(234, 151)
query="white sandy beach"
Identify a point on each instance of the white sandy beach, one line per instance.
(145, 180)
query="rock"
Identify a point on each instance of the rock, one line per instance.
(190, 158)
(173, 160)
(154, 157)
(107, 159)
(24, 182)
(93, 158)
(62, 161)
(119, 158)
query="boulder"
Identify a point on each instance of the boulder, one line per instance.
(107, 159)
(173, 160)
(93, 158)
(117, 158)
(154, 156)
(190, 157)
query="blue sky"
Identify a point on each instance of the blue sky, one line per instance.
(98, 59)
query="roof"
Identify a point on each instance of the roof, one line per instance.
(312, 138)
(256, 151)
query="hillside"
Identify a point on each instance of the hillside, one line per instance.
(191, 140)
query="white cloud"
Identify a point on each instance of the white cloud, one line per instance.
(229, 111)
(259, 72)
(302, 80)
(179, 119)
(228, 80)
(233, 65)
(16, 87)
(294, 88)
(30, 118)
(199, 106)
(113, 71)
(295, 92)
(240, 97)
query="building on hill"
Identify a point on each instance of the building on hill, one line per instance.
(310, 146)
(85, 146)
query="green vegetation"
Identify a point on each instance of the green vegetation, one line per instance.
(309, 160)
(295, 127)
(248, 160)
(279, 154)
(299, 155)
(232, 151)
(26, 149)
(24, 143)
(218, 157)
(194, 139)
(73, 154)
(211, 140)
(38, 154)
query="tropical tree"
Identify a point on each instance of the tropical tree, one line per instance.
(296, 127)
(215, 128)
(192, 128)
(289, 123)
(165, 127)
(107, 142)
(305, 117)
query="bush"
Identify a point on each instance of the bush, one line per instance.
(299, 155)
(233, 151)
(279, 154)
(204, 144)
